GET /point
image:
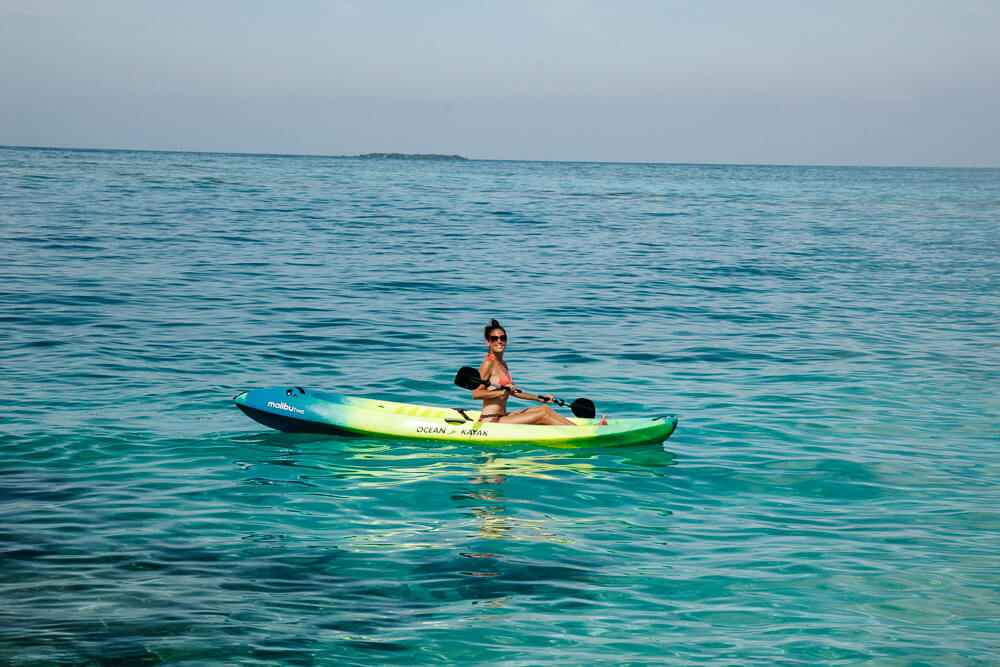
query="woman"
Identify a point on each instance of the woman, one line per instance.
(494, 401)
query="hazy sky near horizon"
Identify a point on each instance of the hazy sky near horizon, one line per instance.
(866, 82)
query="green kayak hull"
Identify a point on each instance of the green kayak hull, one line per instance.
(297, 410)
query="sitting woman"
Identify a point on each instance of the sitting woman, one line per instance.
(495, 369)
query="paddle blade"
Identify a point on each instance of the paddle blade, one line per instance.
(468, 378)
(583, 408)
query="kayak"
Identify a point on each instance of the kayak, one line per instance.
(296, 410)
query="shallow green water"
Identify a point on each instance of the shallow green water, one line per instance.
(827, 337)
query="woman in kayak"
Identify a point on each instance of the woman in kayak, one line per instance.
(495, 369)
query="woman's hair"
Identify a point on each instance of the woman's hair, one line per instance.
(490, 327)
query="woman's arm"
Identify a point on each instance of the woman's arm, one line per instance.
(481, 393)
(544, 398)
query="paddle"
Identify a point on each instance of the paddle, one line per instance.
(468, 378)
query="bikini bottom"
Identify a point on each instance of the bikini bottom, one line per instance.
(494, 417)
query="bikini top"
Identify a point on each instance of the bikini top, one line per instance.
(503, 373)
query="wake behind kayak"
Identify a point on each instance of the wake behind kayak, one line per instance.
(297, 410)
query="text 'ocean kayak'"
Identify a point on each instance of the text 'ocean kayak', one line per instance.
(296, 410)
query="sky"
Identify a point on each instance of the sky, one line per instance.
(829, 82)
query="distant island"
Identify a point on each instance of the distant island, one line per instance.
(415, 156)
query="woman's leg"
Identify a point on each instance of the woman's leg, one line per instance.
(541, 414)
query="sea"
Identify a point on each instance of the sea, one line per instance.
(827, 337)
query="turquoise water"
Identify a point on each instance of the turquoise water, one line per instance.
(827, 337)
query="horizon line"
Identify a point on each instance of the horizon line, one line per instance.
(474, 159)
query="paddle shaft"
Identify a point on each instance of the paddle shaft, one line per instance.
(468, 378)
(525, 394)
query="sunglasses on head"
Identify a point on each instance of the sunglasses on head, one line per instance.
(493, 339)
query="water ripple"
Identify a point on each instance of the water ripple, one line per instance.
(824, 334)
